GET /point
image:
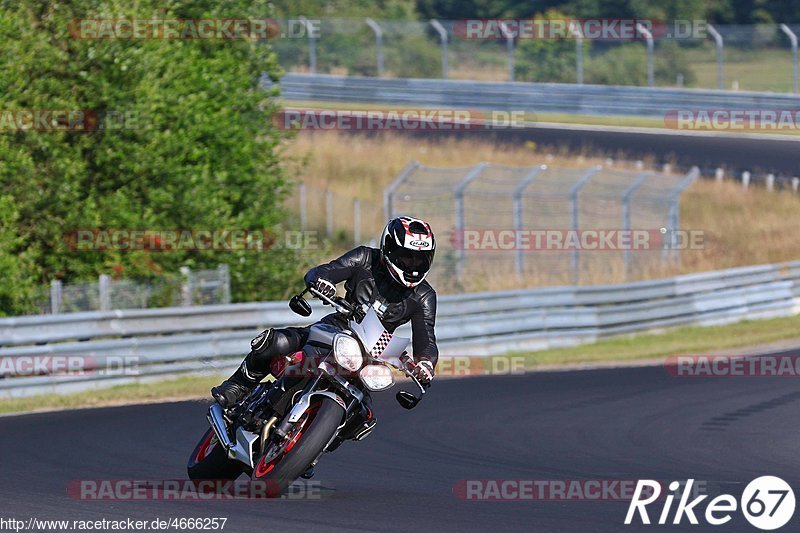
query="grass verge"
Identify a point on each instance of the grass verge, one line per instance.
(685, 340)
(692, 340)
(173, 389)
(623, 121)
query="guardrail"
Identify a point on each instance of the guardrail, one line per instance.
(175, 341)
(528, 97)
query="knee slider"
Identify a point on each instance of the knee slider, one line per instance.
(272, 342)
(260, 344)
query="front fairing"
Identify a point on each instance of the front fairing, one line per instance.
(375, 339)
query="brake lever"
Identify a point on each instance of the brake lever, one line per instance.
(329, 301)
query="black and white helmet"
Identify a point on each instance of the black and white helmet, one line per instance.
(408, 246)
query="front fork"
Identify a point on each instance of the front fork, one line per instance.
(345, 389)
(346, 396)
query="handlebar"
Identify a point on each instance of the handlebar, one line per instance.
(404, 359)
(337, 302)
(343, 306)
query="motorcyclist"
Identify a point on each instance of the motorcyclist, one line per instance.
(391, 280)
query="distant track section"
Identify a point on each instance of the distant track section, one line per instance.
(736, 152)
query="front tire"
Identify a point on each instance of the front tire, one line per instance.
(209, 460)
(313, 434)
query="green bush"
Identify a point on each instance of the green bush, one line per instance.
(545, 61)
(201, 153)
(626, 64)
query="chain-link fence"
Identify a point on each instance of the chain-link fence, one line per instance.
(544, 225)
(202, 287)
(342, 219)
(759, 57)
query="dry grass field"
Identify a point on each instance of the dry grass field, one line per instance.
(741, 227)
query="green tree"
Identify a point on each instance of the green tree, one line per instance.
(197, 148)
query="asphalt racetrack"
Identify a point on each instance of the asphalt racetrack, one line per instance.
(616, 424)
(757, 153)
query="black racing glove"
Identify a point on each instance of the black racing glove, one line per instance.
(325, 287)
(423, 371)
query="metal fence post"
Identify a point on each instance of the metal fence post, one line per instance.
(719, 44)
(573, 194)
(793, 39)
(104, 292)
(510, 49)
(388, 192)
(312, 44)
(187, 288)
(329, 213)
(225, 282)
(55, 296)
(649, 38)
(675, 214)
(443, 40)
(378, 44)
(458, 195)
(356, 222)
(518, 192)
(626, 213)
(576, 31)
(303, 206)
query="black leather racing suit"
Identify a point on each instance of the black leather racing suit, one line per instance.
(366, 281)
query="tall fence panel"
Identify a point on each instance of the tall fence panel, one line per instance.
(190, 287)
(756, 57)
(547, 225)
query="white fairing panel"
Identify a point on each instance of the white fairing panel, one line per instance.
(370, 330)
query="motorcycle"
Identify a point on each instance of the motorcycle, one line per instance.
(281, 430)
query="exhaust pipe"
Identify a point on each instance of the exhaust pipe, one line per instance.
(217, 422)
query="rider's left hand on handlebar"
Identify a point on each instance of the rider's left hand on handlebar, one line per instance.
(423, 371)
(325, 287)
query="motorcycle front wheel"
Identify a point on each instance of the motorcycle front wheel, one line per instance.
(308, 438)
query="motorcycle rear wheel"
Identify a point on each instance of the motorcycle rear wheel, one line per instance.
(209, 460)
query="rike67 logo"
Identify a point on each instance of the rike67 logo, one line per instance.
(767, 503)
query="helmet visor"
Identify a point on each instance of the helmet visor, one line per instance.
(409, 260)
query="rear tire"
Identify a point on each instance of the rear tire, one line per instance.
(318, 430)
(209, 460)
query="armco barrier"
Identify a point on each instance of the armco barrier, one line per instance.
(175, 341)
(528, 97)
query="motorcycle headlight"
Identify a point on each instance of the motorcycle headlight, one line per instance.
(376, 377)
(347, 352)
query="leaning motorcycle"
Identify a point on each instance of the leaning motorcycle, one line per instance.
(282, 428)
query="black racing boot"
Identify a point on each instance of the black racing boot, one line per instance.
(238, 386)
